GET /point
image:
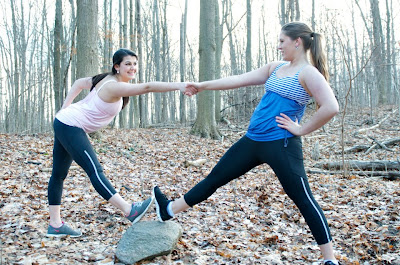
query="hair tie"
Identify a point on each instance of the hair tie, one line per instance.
(312, 34)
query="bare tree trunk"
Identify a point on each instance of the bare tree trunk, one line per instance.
(58, 28)
(134, 101)
(164, 96)
(110, 27)
(182, 65)
(396, 85)
(74, 60)
(379, 53)
(157, 59)
(218, 53)
(248, 92)
(106, 62)
(15, 82)
(313, 15)
(282, 13)
(232, 52)
(23, 112)
(205, 125)
(142, 99)
(87, 39)
(357, 59)
(297, 10)
(388, 56)
(291, 10)
(124, 33)
(42, 100)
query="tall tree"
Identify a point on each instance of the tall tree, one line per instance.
(157, 58)
(379, 54)
(248, 91)
(124, 35)
(282, 13)
(57, 78)
(42, 96)
(87, 39)
(219, 40)
(15, 82)
(164, 59)
(232, 52)
(182, 62)
(143, 121)
(134, 105)
(313, 15)
(205, 125)
(106, 61)
(388, 56)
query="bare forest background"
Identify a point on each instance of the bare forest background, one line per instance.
(47, 44)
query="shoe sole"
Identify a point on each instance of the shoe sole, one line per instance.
(157, 207)
(145, 210)
(62, 235)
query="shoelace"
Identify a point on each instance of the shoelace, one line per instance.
(164, 197)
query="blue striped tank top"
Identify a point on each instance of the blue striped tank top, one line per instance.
(283, 95)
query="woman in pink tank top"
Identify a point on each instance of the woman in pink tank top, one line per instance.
(109, 93)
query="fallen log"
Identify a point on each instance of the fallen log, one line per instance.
(368, 148)
(376, 125)
(390, 175)
(355, 149)
(361, 165)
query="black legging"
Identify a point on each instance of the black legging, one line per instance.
(72, 143)
(287, 163)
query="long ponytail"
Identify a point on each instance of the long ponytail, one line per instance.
(311, 41)
(318, 56)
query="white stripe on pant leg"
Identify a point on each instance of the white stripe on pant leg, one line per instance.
(316, 209)
(97, 174)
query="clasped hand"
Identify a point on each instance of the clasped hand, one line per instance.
(190, 89)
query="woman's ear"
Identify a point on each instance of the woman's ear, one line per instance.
(298, 41)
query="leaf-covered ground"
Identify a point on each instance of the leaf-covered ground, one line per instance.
(248, 221)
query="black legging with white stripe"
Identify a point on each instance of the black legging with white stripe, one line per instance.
(71, 143)
(287, 163)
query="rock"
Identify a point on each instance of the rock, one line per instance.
(146, 240)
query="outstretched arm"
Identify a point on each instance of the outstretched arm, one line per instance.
(323, 95)
(76, 88)
(255, 77)
(122, 89)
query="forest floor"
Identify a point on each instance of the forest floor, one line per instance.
(248, 221)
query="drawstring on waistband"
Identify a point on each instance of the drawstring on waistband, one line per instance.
(286, 141)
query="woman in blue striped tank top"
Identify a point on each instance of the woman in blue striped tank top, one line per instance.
(273, 136)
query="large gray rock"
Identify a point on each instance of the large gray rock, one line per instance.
(146, 240)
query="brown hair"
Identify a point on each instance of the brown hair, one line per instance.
(311, 41)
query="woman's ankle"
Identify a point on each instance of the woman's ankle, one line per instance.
(56, 224)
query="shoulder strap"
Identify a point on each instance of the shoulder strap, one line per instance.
(279, 66)
(301, 69)
(98, 90)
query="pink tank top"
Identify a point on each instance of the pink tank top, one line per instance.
(90, 113)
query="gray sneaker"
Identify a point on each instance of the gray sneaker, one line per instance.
(64, 230)
(139, 209)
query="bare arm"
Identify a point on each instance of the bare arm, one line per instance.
(255, 77)
(317, 86)
(76, 88)
(121, 89)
